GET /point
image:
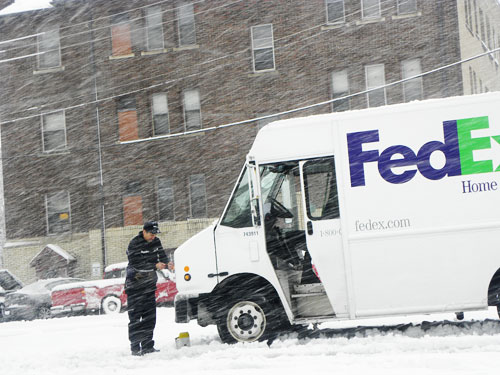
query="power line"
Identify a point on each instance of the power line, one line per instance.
(200, 64)
(312, 105)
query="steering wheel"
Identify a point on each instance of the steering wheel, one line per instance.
(278, 210)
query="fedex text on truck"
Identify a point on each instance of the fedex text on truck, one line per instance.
(458, 147)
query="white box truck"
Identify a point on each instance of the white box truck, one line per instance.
(377, 212)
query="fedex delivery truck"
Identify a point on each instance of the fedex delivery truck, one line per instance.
(384, 211)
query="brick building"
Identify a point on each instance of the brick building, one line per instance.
(104, 102)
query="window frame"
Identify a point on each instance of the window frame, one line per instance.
(153, 114)
(252, 28)
(40, 53)
(368, 87)
(419, 79)
(328, 22)
(43, 121)
(119, 22)
(47, 211)
(191, 184)
(192, 20)
(341, 93)
(412, 12)
(370, 17)
(171, 187)
(185, 111)
(148, 17)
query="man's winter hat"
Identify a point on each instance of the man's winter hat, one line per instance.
(151, 227)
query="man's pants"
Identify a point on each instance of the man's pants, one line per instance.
(142, 319)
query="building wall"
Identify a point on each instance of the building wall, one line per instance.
(482, 74)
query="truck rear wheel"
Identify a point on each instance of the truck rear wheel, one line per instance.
(248, 320)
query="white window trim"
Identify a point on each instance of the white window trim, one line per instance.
(366, 79)
(162, 48)
(363, 17)
(179, 27)
(65, 148)
(184, 108)
(326, 14)
(47, 212)
(153, 112)
(253, 55)
(40, 68)
(191, 197)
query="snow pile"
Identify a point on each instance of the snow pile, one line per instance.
(98, 345)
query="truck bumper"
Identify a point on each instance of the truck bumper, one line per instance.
(186, 306)
(70, 309)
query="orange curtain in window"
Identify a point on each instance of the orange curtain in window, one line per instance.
(121, 41)
(132, 210)
(127, 122)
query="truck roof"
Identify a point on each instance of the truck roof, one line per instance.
(313, 136)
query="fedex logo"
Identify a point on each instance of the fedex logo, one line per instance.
(458, 147)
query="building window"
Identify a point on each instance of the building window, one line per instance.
(198, 194)
(475, 18)
(186, 24)
(468, 14)
(375, 77)
(262, 47)
(120, 36)
(412, 89)
(132, 204)
(154, 28)
(481, 25)
(165, 199)
(370, 8)
(192, 110)
(340, 88)
(49, 49)
(335, 12)
(54, 131)
(471, 79)
(57, 206)
(127, 118)
(160, 114)
(407, 6)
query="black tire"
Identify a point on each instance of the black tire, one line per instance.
(248, 320)
(498, 310)
(2, 312)
(111, 305)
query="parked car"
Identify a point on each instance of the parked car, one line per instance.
(106, 295)
(33, 301)
(8, 283)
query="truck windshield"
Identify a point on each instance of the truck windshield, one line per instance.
(238, 213)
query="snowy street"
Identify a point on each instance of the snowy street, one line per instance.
(98, 345)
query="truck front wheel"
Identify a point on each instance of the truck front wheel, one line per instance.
(247, 320)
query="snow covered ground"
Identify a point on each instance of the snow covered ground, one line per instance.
(95, 345)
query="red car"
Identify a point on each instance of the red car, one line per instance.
(106, 295)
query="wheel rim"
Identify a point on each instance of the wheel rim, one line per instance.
(44, 313)
(112, 306)
(246, 321)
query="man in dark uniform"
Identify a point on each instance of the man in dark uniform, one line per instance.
(145, 256)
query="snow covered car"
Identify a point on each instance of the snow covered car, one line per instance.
(8, 283)
(33, 301)
(106, 295)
